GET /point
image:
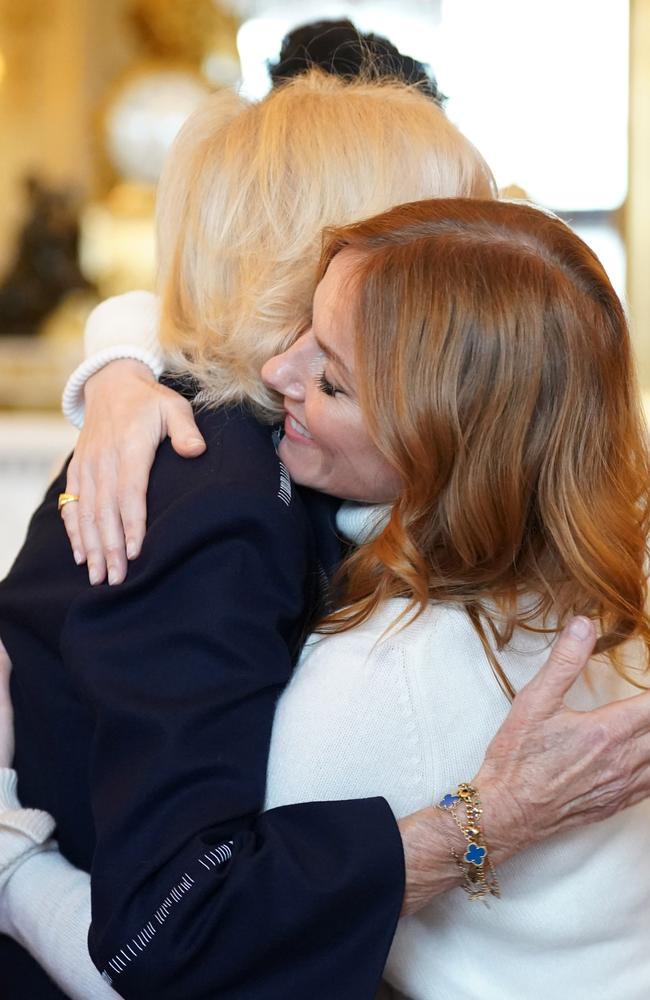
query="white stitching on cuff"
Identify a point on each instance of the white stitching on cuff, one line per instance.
(120, 961)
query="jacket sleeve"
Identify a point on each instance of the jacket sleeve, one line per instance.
(195, 893)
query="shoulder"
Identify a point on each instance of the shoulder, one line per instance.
(224, 537)
(239, 471)
(437, 644)
(393, 628)
(234, 433)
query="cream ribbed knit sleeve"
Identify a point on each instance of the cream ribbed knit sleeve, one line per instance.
(125, 326)
(44, 901)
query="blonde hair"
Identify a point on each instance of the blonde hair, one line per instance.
(510, 411)
(246, 193)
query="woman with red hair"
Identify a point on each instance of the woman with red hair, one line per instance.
(469, 369)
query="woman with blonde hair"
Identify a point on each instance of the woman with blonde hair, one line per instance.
(143, 713)
(300, 899)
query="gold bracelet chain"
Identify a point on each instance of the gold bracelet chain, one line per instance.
(479, 877)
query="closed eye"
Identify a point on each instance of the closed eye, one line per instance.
(326, 386)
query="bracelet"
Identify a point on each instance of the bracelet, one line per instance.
(479, 877)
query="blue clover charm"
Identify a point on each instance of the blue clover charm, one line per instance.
(449, 801)
(475, 855)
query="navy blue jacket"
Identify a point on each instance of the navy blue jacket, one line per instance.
(143, 720)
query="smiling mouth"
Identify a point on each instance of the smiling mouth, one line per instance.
(291, 424)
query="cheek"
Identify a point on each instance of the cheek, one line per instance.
(366, 472)
(322, 420)
(378, 476)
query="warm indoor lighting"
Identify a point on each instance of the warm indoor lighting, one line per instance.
(3, 67)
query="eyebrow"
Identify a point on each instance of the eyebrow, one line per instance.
(336, 358)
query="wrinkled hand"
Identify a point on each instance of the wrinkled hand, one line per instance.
(6, 712)
(127, 416)
(549, 768)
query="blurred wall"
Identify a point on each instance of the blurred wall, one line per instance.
(57, 56)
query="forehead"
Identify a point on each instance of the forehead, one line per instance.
(335, 296)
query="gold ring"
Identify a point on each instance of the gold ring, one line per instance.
(65, 498)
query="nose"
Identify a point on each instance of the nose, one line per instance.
(286, 372)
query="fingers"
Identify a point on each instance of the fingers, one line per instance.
(132, 486)
(639, 789)
(94, 524)
(617, 785)
(109, 523)
(70, 515)
(177, 418)
(631, 716)
(89, 530)
(178, 415)
(93, 534)
(569, 656)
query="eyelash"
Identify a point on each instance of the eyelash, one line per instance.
(325, 386)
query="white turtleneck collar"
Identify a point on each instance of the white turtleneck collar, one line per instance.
(358, 522)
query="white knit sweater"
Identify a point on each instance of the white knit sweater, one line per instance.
(44, 901)
(408, 717)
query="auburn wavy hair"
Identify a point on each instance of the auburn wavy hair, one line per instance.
(510, 411)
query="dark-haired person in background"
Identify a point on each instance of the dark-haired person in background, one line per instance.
(339, 48)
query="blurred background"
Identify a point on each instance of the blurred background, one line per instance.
(555, 93)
